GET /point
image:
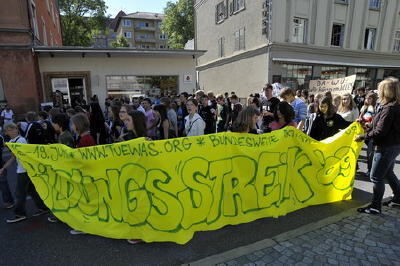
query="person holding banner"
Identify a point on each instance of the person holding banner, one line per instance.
(385, 132)
(328, 122)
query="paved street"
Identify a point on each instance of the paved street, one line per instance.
(37, 242)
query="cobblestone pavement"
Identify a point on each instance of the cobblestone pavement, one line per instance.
(360, 239)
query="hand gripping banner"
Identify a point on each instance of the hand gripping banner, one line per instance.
(167, 190)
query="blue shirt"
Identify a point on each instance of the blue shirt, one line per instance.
(300, 109)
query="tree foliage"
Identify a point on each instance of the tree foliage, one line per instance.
(178, 23)
(121, 42)
(81, 20)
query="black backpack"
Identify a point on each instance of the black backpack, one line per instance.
(35, 134)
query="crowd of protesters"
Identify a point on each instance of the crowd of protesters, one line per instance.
(320, 116)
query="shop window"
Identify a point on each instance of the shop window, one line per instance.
(296, 76)
(146, 86)
(333, 72)
(365, 77)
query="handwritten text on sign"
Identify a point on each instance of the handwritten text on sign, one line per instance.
(167, 190)
(336, 86)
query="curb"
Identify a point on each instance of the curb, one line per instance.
(269, 242)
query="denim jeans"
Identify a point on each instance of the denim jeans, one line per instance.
(382, 167)
(5, 189)
(25, 187)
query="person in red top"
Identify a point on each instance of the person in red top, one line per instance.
(80, 125)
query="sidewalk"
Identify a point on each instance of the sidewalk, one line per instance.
(349, 238)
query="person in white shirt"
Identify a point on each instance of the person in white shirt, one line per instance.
(7, 115)
(348, 108)
(194, 124)
(24, 184)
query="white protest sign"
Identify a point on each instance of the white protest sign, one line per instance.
(335, 86)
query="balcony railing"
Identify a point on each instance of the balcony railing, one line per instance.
(139, 39)
(137, 27)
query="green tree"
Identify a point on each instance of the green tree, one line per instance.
(178, 23)
(81, 20)
(121, 42)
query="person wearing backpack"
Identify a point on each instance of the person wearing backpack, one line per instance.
(8, 201)
(24, 183)
(35, 133)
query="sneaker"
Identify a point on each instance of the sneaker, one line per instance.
(52, 219)
(134, 241)
(392, 203)
(40, 212)
(76, 232)
(16, 219)
(8, 205)
(369, 210)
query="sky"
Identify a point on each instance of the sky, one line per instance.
(130, 6)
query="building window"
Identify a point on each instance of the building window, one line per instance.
(240, 39)
(163, 37)
(267, 18)
(127, 23)
(34, 18)
(396, 46)
(375, 4)
(162, 47)
(221, 47)
(299, 30)
(369, 40)
(337, 35)
(333, 72)
(341, 1)
(221, 12)
(238, 5)
(145, 86)
(296, 76)
(143, 24)
(365, 77)
(128, 34)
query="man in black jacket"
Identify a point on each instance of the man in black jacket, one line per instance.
(35, 133)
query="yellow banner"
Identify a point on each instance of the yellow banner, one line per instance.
(167, 190)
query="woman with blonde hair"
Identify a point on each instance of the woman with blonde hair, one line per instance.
(385, 133)
(348, 108)
(246, 122)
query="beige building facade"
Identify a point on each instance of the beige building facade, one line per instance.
(250, 43)
(142, 30)
(78, 73)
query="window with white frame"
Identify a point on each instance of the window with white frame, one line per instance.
(375, 4)
(299, 30)
(128, 34)
(396, 43)
(163, 36)
(221, 12)
(127, 23)
(238, 5)
(337, 35)
(162, 46)
(240, 39)
(221, 47)
(369, 39)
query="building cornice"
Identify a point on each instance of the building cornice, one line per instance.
(227, 60)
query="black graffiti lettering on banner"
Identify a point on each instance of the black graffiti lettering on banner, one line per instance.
(203, 192)
(245, 141)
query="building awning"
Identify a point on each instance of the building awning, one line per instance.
(88, 51)
(321, 62)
